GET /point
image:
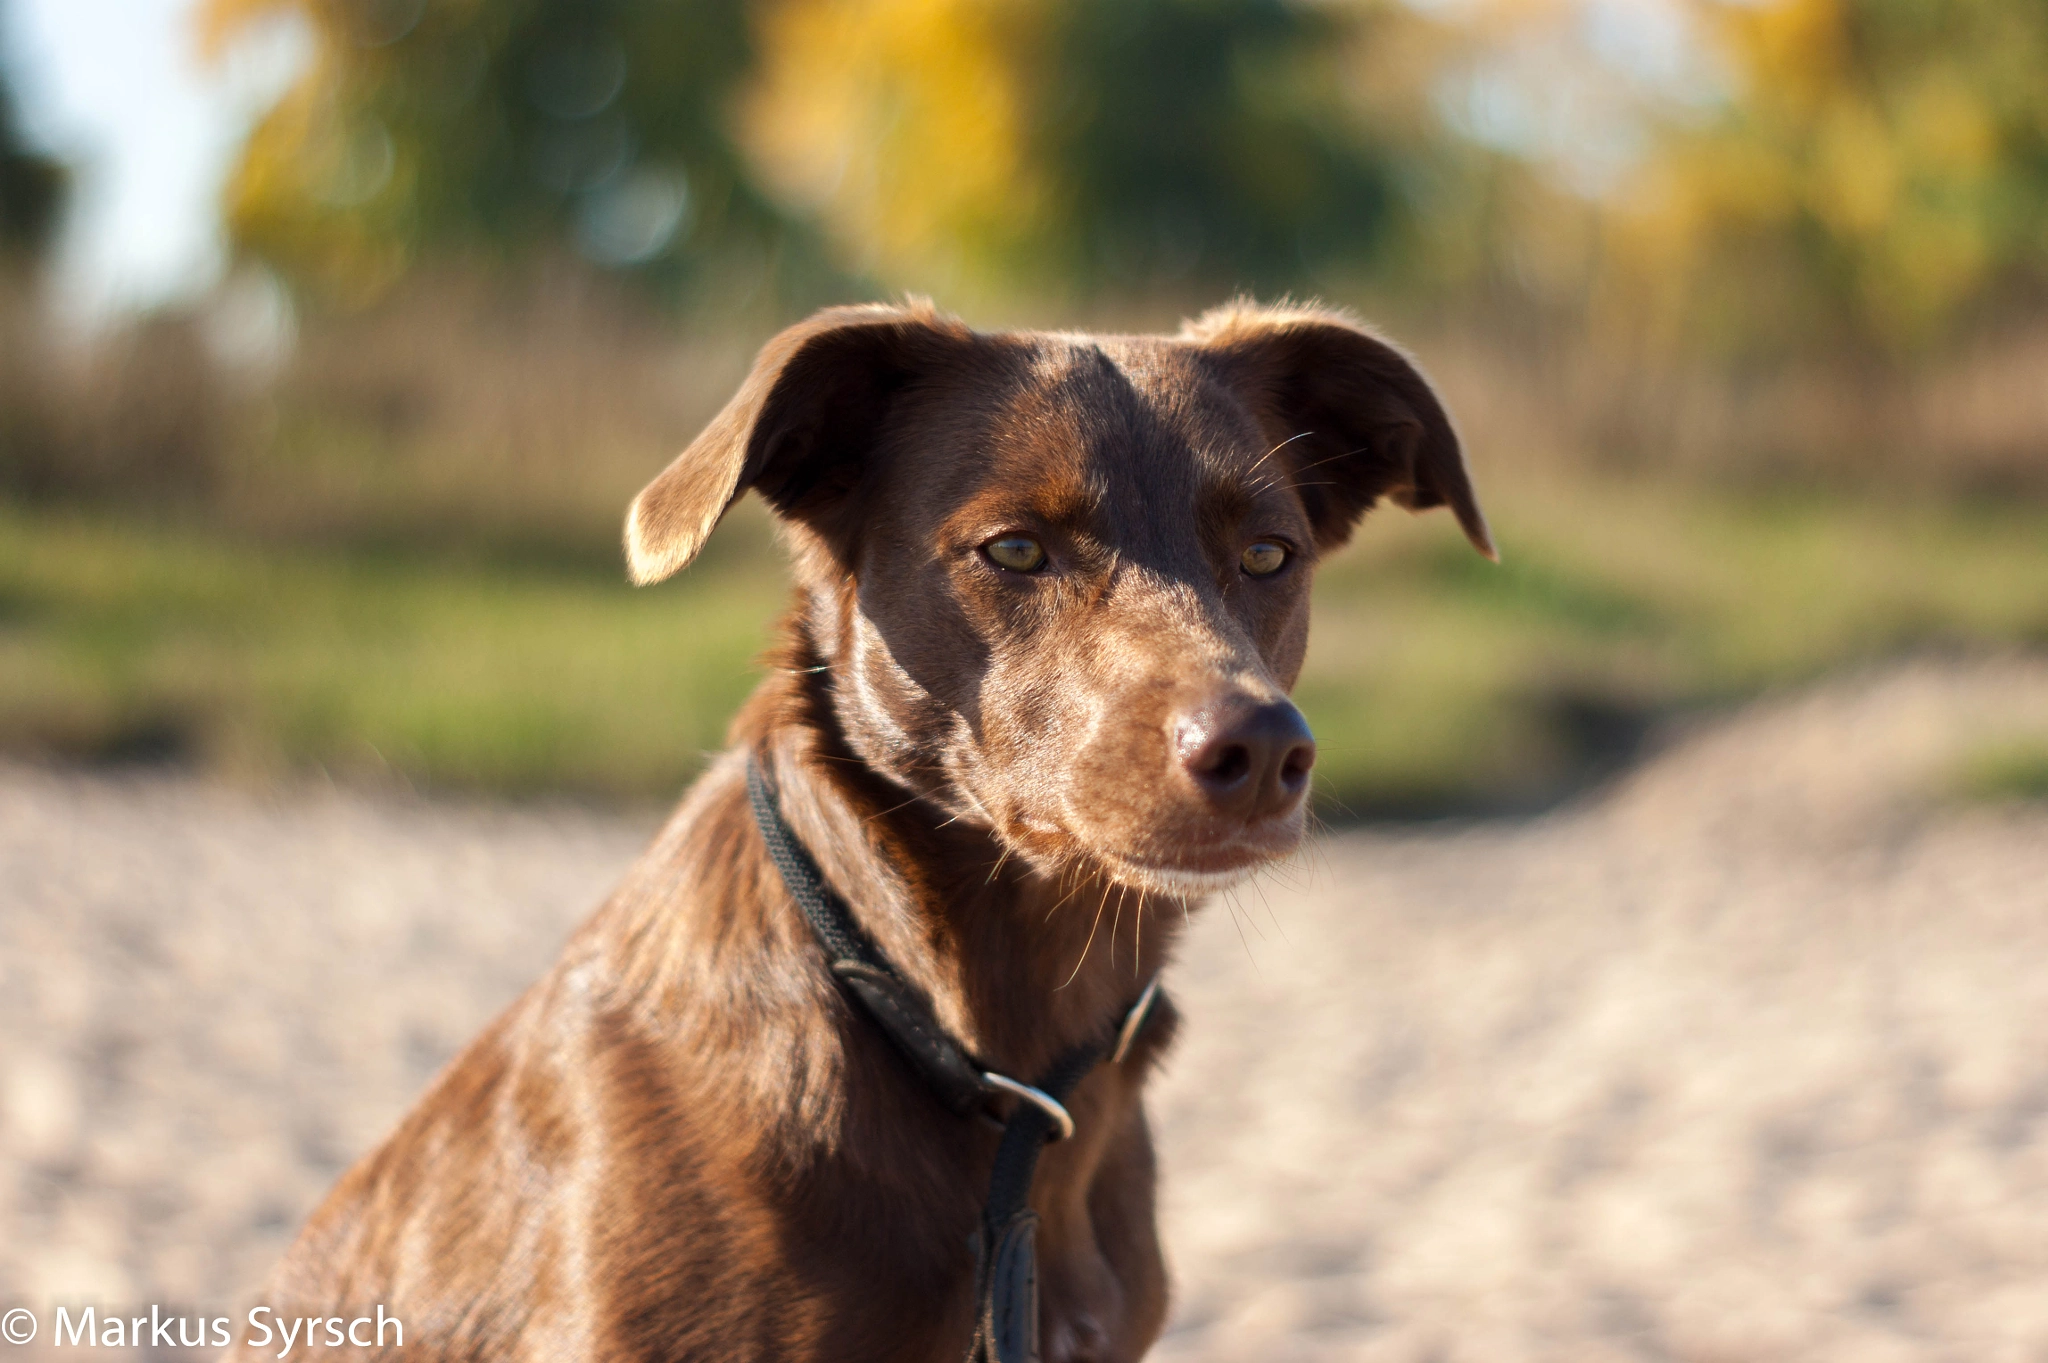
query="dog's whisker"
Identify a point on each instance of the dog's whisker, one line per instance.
(1331, 459)
(883, 814)
(1300, 435)
(1079, 882)
(1250, 921)
(1267, 901)
(979, 807)
(1115, 922)
(1091, 939)
(1303, 869)
(1243, 941)
(1138, 938)
(997, 869)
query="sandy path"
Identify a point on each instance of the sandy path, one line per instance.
(1746, 1060)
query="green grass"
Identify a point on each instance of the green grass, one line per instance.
(447, 673)
(2012, 770)
(1434, 680)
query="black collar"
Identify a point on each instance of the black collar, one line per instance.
(1006, 1286)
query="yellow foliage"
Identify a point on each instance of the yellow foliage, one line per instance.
(220, 22)
(314, 189)
(901, 123)
(1791, 52)
(1859, 153)
(1947, 125)
(1855, 184)
(306, 192)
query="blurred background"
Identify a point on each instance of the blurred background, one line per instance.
(336, 334)
(1670, 986)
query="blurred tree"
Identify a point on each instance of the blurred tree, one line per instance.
(1209, 139)
(32, 189)
(32, 185)
(1871, 172)
(903, 124)
(1108, 146)
(1877, 176)
(501, 128)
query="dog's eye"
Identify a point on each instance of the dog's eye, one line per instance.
(1018, 553)
(1264, 558)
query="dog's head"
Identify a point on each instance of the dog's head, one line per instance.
(1060, 582)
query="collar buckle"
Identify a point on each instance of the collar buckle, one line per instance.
(1062, 1120)
(1134, 1022)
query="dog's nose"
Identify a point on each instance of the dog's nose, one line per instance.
(1249, 758)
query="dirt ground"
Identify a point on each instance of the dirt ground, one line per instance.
(1745, 1058)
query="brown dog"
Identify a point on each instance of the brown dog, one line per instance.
(1052, 591)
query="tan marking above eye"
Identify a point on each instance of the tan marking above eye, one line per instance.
(1018, 553)
(1263, 558)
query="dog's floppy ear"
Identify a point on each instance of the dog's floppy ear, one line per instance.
(1360, 420)
(796, 431)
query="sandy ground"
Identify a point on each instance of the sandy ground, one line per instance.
(1744, 1059)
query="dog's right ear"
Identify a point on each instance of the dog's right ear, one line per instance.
(797, 431)
(1350, 407)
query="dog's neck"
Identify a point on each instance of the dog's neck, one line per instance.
(1019, 963)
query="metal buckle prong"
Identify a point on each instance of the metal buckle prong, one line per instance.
(1062, 1120)
(1134, 1022)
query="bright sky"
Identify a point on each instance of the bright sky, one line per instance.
(116, 88)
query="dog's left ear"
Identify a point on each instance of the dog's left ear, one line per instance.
(1359, 420)
(798, 431)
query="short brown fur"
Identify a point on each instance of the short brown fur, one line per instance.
(682, 1143)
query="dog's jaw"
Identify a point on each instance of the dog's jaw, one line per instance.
(1218, 868)
(1177, 883)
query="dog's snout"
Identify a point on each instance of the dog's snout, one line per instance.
(1249, 758)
